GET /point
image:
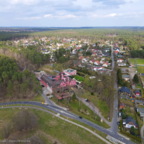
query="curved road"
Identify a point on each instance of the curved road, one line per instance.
(70, 115)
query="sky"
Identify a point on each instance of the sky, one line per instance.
(71, 13)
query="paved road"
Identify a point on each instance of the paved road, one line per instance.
(114, 126)
(112, 57)
(142, 134)
(70, 115)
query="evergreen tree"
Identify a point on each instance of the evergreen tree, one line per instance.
(136, 79)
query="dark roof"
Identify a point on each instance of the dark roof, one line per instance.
(137, 91)
(130, 120)
(50, 81)
(125, 89)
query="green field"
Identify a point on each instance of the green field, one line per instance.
(140, 69)
(136, 61)
(139, 63)
(79, 78)
(52, 129)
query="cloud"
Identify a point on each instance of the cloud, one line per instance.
(64, 11)
(24, 2)
(104, 15)
(47, 16)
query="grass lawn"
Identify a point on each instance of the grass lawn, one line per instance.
(52, 129)
(130, 111)
(6, 115)
(127, 102)
(102, 106)
(79, 78)
(140, 69)
(38, 98)
(136, 61)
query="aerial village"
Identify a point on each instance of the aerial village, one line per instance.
(97, 57)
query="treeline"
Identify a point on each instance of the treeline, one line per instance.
(137, 53)
(14, 83)
(4, 36)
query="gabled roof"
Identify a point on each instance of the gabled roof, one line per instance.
(125, 89)
(131, 121)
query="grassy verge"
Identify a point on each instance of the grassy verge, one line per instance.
(135, 139)
(37, 98)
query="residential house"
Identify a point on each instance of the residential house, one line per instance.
(129, 122)
(91, 61)
(98, 68)
(137, 93)
(141, 111)
(122, 64)
(125, 90)
(120, 60)
(70, 72)
(84, 60)
(121, 106)
(97, 63)
(139, 102)
(126, 77)
(106, 64)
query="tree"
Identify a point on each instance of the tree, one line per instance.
(136, 79)
(119, 77)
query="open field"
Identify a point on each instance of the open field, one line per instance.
(140, 69)
(52, 129)
(139, 63)
(136, 61)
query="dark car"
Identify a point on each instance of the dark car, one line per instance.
(80, 117)
(86, 100)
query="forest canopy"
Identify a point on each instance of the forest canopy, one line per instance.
(15, 83)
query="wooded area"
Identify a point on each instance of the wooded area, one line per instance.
(15, 83)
